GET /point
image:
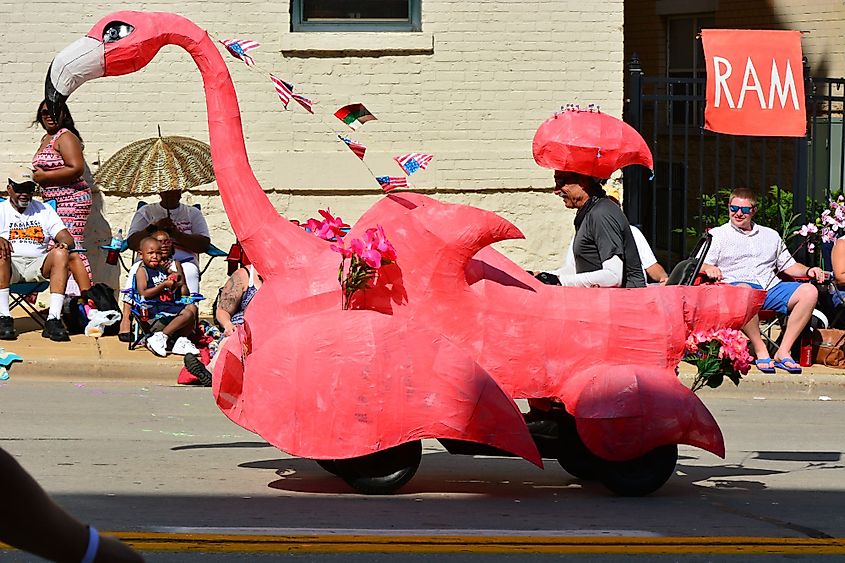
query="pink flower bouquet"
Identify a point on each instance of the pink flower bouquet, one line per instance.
(365, 257)
(718, 354)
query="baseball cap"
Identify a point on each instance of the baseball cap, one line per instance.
(21, 175)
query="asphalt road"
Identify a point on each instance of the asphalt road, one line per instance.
(163, 462)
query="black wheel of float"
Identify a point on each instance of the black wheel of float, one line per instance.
(384, 472)
(641, 476)
(329, 465)
(573, 455)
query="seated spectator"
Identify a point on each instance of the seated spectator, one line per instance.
(235, 295)
(27, 227)
(185, 225)
(167, 263)
(837, 260)
(161, 289)
(745, 253)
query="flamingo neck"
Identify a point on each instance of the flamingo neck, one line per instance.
(247, 206)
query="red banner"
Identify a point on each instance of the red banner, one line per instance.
(755, 83)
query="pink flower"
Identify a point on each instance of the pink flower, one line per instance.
(339, 247)
(334, 225)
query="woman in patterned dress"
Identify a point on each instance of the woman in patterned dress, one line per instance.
(58, 167)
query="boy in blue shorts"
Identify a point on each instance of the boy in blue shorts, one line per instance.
(162, 290)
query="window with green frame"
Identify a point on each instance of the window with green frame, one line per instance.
(355, 15)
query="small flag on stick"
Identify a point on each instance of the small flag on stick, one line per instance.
(389, 183)
(239, 47)
(304, 102)
(414, 161)
(285, 92)
(283, 89)
(354, 115)
(357, 148)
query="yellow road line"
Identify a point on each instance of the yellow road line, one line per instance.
(231, 543)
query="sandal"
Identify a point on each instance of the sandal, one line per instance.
(764, 361)
(781, 364)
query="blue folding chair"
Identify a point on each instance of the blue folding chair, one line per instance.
(212, 252)
(142, 323)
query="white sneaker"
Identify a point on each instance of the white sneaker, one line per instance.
(184, 346)
(157, 344)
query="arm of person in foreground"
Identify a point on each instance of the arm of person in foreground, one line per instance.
(31, 521)
(65, 238)
(154, 291)
(230, 298)
(657, 273)
(610, 275)
(799, 270)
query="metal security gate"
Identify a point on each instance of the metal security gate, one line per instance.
(695, 168)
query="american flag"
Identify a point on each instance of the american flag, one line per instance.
(388, 183)
(414, 161)
(239, 47)
(357, 148)
(285, 92)
(283, 89)
(304, 102)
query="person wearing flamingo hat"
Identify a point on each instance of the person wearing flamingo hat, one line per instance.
(584, 147)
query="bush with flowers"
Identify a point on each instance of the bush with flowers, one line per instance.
(828, 227)
(361, 259)
(717, 354)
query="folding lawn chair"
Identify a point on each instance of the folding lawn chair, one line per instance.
(142, 323)
(23, 295)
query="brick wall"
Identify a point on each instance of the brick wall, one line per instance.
(474, 99)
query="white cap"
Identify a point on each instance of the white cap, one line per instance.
(21, 175)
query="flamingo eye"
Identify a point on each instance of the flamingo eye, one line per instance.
(116, 31)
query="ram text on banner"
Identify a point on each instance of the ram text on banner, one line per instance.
(755, 82)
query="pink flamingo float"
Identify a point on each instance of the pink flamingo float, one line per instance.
(452, 333)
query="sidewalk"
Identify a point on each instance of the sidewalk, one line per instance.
(108, 359)
(85, 358)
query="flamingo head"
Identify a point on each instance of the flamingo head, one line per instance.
(120, 43)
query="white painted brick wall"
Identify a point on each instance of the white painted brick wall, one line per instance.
(496, 71)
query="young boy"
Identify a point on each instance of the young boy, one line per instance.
(162, 289)
(167, 263)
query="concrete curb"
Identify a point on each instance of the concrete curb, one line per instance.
(808, 386)
(56, 369)
(816, 382)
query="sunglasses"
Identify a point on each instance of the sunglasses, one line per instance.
(746, 209)
(25, 188)
(44, 113)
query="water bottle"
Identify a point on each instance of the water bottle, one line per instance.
(114, 248)
(805, 358)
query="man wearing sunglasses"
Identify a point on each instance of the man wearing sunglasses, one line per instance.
(26, 228)
(745, 253)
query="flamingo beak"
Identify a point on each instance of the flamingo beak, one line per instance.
(79, 62)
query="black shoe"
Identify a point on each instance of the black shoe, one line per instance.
(55, 331)
(7, 329)
(196, 368)
(125, 336)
